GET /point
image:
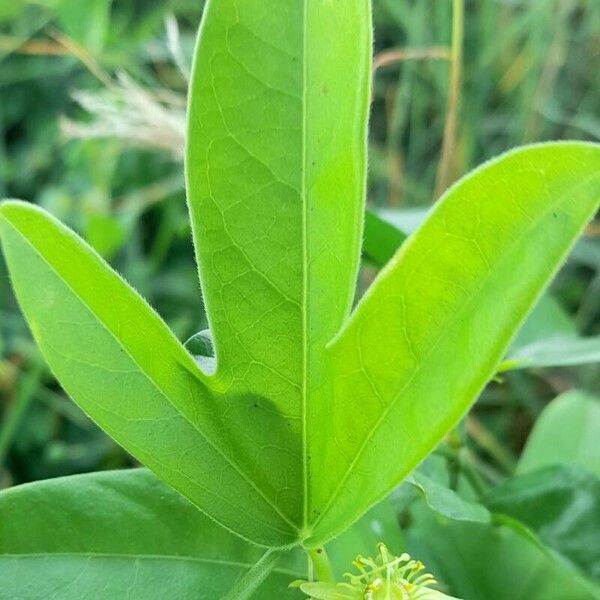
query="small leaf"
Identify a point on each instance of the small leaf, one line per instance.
(562, 506)
(566, 433)
(381, 239)
(547, 320)
(446, 502)
(122, 534)
(500, 561)
(200, 344)
(549, 338)
(201, 347)
(555, 352)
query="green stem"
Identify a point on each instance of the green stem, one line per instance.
(249, 583)
(322, 567)
(486, 440)
(445, 172)
(472, 476)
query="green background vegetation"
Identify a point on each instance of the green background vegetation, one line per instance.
(529, 73)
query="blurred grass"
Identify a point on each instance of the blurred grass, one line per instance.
(529, 73)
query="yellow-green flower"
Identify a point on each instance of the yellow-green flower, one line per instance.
(387, 577)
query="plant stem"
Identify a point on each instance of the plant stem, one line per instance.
(249, 583)
(445, 174)
(322, 567)
(556, 56)
(396, 55)
(487, 440)
(473, 476)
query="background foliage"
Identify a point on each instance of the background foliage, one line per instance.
(91, 105)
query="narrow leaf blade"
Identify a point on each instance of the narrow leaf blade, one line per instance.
(276, 169)
(122, 365)
(430, 332)
(381, 239)
(555, 352)
(562, 506)
(447, 502)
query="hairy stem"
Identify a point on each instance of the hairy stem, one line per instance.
(249, 583)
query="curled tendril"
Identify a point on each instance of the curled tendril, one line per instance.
(386, 577)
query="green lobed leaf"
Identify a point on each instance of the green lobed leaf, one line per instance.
(566, 433)
(312, 414)
(562, 506)
(122, 534)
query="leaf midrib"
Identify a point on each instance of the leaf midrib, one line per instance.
(128, 556)
(440, 338)
(236, 467)
(304, 270)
